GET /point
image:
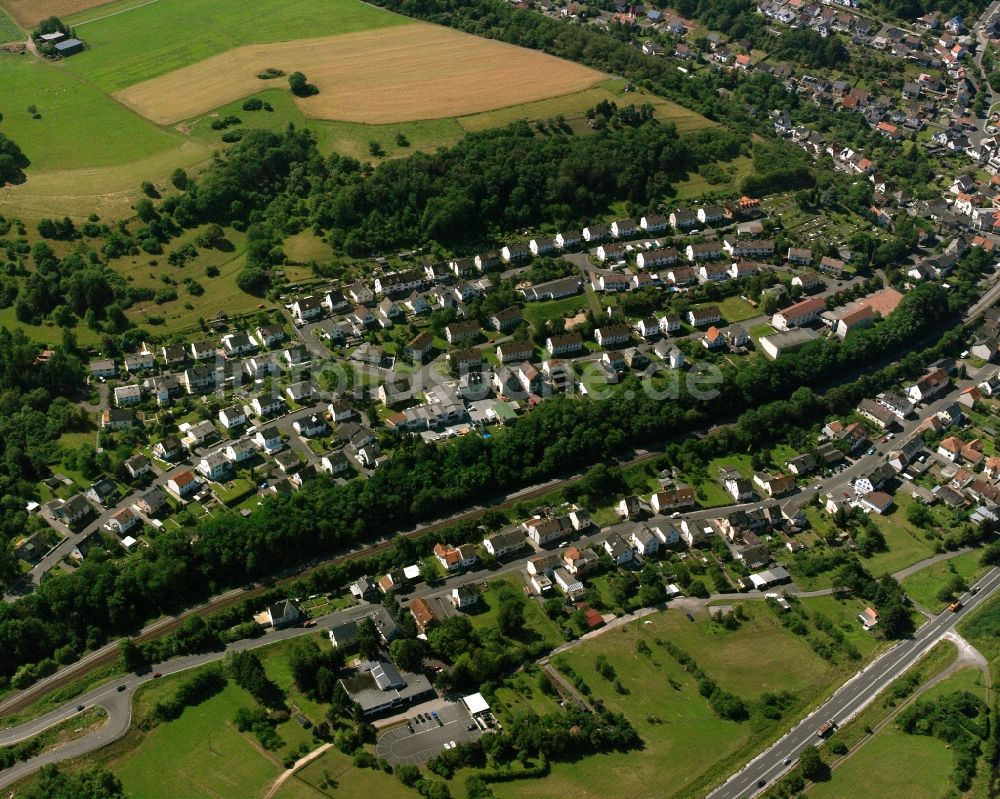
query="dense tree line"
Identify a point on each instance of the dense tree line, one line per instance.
(12, 161)
(490, 182)
(961, 720)
(94, 783)
(205, 684)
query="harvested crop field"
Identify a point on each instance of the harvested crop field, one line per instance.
(30, 12)
(376, 77)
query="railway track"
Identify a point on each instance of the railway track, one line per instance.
(109, 653)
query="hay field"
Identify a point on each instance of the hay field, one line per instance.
(376, 77)
(136, 40)
(30, 12)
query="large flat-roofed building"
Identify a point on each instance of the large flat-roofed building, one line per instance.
(778, 344)
(378, 686)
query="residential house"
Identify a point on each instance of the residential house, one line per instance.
(240, 343)
(269, 439)
(265, 405)
(151, 502)
(118, 419)
(506, 320)
(300, 392)
(566, 344)
(419, 347)
(335, 463)
(232, 417)
(128, 395)
(504, 542)
(568, 584)
(139, 361)
(799, 314)
(122, 521)
(928, 386)
(643, 541)
(311, 426)
(214, 466)
(103, 492)
(137, 466)
(620, 552)
(455, 558)
(707, 315)
(183, 484)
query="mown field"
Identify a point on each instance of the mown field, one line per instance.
(333, 774)
(378, 77)
(122, 52)
(891, 764)
(78, 126)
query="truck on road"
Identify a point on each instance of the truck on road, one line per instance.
(826, 729)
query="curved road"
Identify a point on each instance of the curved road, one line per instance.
(850, 699)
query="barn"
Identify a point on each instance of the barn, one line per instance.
(68, 47)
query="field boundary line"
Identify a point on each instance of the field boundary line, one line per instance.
(116, 13)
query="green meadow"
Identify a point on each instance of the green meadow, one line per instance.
(157, 38)
(78, 126)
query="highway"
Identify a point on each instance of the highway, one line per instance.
(850, 699)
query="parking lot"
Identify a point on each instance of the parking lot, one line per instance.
(399, 745)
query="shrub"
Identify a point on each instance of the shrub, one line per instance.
(300, 86)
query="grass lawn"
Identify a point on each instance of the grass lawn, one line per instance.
(120, 52)
(535, 618)
(968, 679)
(201, 754)
(736, 309)
(906, 544)
(333, 774)
(923, 586)
(891, 764)
(677, 726)
(79, 126)
(982, 629)
(234, 491)
(48, 333)
(534, 312)
(844, 615)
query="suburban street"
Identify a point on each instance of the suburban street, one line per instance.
(850, 699)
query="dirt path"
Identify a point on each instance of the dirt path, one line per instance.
(302, 761)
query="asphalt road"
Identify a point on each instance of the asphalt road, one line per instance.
(850, 699)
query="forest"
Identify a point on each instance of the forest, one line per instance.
(490, 182)
(35, 410)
